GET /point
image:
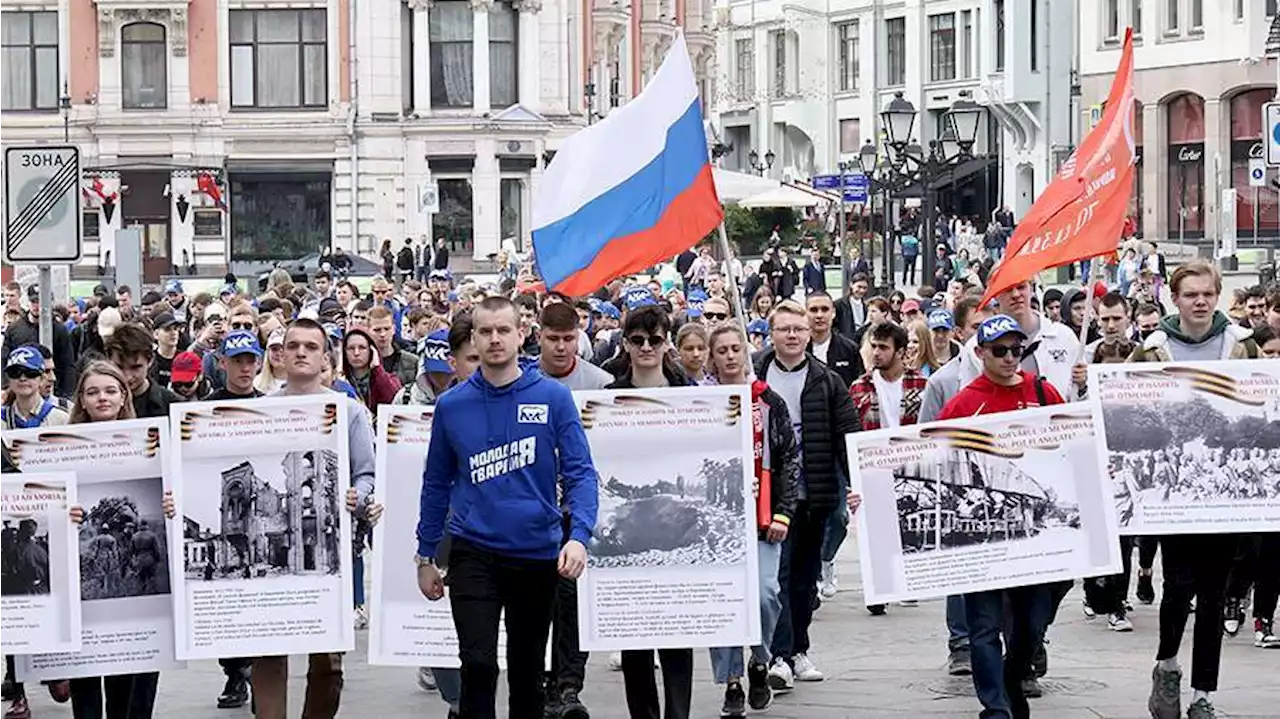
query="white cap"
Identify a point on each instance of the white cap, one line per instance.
(108, 320)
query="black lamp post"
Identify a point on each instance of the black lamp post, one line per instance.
(64, 107)
(753, 158)
(910, 164)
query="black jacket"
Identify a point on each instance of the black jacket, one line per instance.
(848, 318)
(826, 416)
(784, 456)
(155, 401)
(674, 379)
(844, 359)
(224, 394)
(404, 258)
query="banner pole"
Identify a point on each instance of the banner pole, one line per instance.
(735, 295)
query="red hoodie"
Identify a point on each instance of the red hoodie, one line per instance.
(982, 396)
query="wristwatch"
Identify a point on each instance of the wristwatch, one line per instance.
(424, 561)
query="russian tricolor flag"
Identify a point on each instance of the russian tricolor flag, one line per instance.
(630, 191)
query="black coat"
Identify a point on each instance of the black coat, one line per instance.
(826, 416)
(440, 261)
(844, 359)
(848, 320)
(404, 259)
(155, 401)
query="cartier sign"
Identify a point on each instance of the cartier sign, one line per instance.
(1190, 153)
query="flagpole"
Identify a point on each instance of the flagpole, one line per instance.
(735, 296)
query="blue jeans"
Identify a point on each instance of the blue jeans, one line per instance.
(998, 674)
(449, 682)
(837, 526)
(957, 627)
(799, 569)
(726, 662)
(357, 571)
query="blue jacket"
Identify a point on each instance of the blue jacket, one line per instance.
(494, 459)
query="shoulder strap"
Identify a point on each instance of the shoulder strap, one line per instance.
(1040, 395)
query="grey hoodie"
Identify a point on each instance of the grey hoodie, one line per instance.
(359, 445)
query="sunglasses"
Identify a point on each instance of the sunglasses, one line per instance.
(716, 316)
(181, 386)
(642, 340)
(23, 373)
(999, 351)
(242, 325)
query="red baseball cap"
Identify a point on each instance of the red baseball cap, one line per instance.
(186, 367)
(910, 306)
(1099, 289)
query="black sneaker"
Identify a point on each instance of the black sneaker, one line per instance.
(571, 707)
(550, 700)
(1146, 591)
(735, 702)
(235, 693)
(759, 694)
(877, 610)
(1031, 688)
(1040, 661)
(1232, 616)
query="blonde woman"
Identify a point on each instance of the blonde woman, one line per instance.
(762, 304)
(692, 346)
(271, 376)
(920, 354)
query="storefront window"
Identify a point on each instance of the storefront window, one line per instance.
(1186, 166)
(1135, 202)
(279, 217)
(454, 220)
(512, 226)
(1246, 143)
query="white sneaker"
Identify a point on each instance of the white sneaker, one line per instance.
(828, 586)
(781, 679)
(615, 661)
(805, 669)
(1088, 610)
(1119, 623)
(1231, 626)
(426, 680)
(361, 618)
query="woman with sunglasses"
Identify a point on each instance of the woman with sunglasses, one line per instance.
(24, 405)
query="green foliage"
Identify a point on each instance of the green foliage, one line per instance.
(750, 229)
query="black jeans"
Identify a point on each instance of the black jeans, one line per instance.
(481, 586)
(909, 270)
(1106, 595)
(642, 688)
(1195, 566)
(236, 667)
(127, 696)
(568, 663)
(798, 573)
(1266, 587)
(1147, 547)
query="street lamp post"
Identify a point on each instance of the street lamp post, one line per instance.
(753, 158)
(910, 164)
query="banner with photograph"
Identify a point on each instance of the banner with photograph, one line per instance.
(125, 578)
(260, 486)
(988, 502)
(405, 628)
(1191, 448)
(673, 562)
(40, 587)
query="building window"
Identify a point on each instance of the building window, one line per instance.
(1246, 143)
(279, 59)
(942, 47)
(454, 220)
(745, 67)
(143, 58)
(1238, 10)
(847, 39)
(504, 27)
(895, 30)
(406, 58)
(998, 7)
(511, 204)
(1111, 20)
(452, 24)
(850, 136)
(966, 47)
(1271, 8)
(1197, 15)
(1171, 8)
(1033, 35)
(779, 42)
(1135, 16)
(279, 217)
(1185, 115)
(30, 60)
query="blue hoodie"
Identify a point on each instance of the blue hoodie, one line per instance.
(494, 459)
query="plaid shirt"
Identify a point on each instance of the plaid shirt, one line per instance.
(867, 403)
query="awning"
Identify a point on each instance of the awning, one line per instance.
(788, 196)
(737, 186)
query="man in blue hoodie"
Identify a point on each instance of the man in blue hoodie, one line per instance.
(498, 444)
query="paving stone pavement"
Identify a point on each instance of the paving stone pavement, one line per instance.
(890, 666)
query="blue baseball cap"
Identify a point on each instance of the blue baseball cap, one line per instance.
(434, 351)
(941, 320)
(25, 357)
(993, 328)
(610, 310)
(241, 342)
(637, 297)
(173, 287)
(758, 327)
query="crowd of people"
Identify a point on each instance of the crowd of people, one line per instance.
(818, 367)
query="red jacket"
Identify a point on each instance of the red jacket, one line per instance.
(982, 396)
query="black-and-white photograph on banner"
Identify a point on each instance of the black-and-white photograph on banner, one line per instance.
(405, 628)
(990, 502)
(265, 538)
(124, 569)
(1191, 448)
(675, 539)
(39, 572)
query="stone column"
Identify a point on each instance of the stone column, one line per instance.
(480, 57)
(1155, 173)
(421, 56)
(529, 47)
(485, 200)
(1216, 179)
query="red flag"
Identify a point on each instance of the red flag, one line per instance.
(1082, 212)
(206, 184)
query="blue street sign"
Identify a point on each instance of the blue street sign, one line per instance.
(832, 182)
(855, 194)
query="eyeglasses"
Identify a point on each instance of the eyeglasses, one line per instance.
(716, 316)
(22, 373)
(242, 326)
(999, 351)
(792, 330)
(654, 341)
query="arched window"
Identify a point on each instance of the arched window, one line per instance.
(1185, 115)
(143, 66)
(1246, 143)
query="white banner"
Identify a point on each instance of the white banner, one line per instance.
(673, 562)
(40, 589)
(406, 629)
(265, 546)
(987, 502)
(125, 572)
(1192, 448)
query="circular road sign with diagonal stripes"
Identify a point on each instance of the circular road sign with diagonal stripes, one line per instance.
(42, 204)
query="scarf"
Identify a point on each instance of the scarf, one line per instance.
(12, 417)
(759, 420)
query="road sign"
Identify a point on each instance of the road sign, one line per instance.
(42, 204)
(1257, 172)
(1271, 125)
(832, 182)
